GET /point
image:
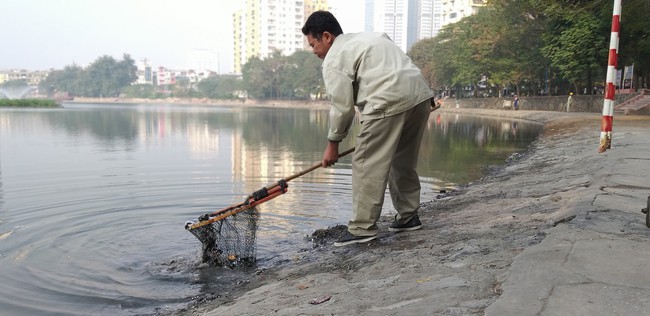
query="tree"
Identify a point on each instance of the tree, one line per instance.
(106, 77)
(514, 57)
(634, 46)
(99, 78)
(255, 78)
(183, 87)
(68, 81)
(304, 69)
(574, 41)
(125, 72)
(219, 87)
(283, 77)
(141, 91)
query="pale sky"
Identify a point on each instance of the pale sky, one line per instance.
(45, 34)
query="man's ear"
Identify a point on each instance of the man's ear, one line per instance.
(328, 37)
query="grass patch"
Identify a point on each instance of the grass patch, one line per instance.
(28, 103)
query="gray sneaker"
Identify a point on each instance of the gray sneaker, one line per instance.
(348, 239)
(413, 224)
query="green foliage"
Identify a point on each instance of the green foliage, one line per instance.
(106, 77)
(254, 75)
(576, 47)
(145, 91)
(296, 76)
(524, 46)
(219, 87)
(634, 46)
(34, 103)
(528, 44)
(305, 74)
(515, 55)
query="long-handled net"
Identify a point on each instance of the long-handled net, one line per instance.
(228, 235)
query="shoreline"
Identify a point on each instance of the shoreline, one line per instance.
(461, 260)
(299, 104)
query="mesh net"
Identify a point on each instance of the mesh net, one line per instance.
(228, 235)
(229, 241)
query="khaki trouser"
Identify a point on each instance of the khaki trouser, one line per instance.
(387, 154)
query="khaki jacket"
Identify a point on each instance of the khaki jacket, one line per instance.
(369, 71)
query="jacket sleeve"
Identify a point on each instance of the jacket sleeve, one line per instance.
(340, 89)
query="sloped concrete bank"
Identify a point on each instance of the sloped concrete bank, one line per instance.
(554, 231)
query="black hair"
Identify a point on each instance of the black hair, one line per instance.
(319, 22)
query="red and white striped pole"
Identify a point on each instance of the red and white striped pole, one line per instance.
(610, 88)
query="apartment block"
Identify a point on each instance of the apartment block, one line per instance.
(430, 18)
(145, 73)
(408, 21)
(263, 27)
(390, 17)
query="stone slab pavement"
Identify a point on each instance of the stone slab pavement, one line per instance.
(597, 263)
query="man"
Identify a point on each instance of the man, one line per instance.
(369, 71)
(516, 103)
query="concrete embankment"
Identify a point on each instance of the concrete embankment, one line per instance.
(557, 230)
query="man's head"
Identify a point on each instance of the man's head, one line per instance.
(321, 28)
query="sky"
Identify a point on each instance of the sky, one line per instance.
(52, 34)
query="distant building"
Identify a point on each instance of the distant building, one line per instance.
(263, 27)
(390, 17)
(430, 18)
(408, 21)
(165, 76)
(454, 10)
(404, 21)
(144, 73)
(312, 6)
(31, 78)
(203, 60)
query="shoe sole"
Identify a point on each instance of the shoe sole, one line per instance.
(354, 241)
(404, 229)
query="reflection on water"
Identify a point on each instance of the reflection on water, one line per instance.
(457, 147)
(93, 198)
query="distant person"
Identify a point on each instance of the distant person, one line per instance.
(369, 72)
(515, 103)
(569, 101)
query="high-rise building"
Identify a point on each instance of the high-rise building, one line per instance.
(437, 17)
(315, 5)
(408, 21)
(390, 17)
(239, 49)
(264, 27)
(414, 16)
(430, 18)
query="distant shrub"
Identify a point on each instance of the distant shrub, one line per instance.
(28, 103)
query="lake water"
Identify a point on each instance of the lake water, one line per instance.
(93, 198)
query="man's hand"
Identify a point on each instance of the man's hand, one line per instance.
(331, 154)
(435, 107)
